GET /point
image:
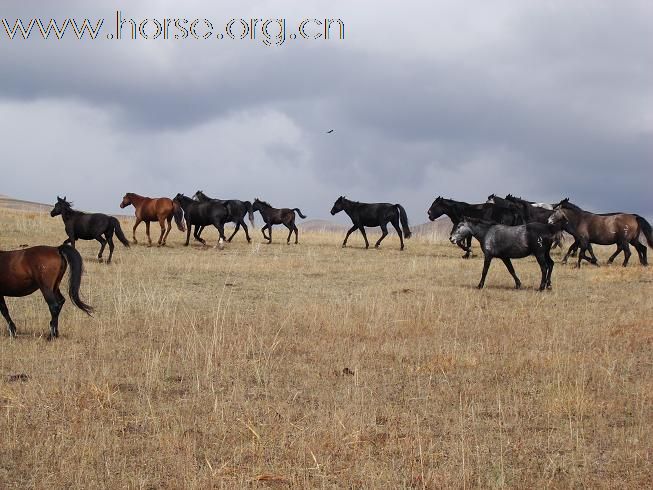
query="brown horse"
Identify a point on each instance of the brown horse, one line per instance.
(274, 216)
(621, 229)
(24, 271)
(150, 209)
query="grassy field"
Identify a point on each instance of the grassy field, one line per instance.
(312, 366)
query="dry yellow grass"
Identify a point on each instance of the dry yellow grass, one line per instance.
(313, 366)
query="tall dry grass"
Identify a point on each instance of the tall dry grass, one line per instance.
(313, 366)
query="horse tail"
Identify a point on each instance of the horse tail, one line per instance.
(250, 211)
(74, 260)
(403, 217)
(178, 213)
(645, 229)
(299, 213)
(119, 234)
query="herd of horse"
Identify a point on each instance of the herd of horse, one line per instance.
(506, 228)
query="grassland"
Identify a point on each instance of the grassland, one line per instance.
(312, 366)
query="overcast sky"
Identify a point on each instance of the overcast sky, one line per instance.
(460, 99)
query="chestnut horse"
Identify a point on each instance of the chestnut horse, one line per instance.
(159, 209)
(24, 271)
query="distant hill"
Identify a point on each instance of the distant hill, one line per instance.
(8, 202)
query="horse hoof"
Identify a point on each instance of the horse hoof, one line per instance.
(480, 286)
(100, 259)
(344, 245)
(518, 286)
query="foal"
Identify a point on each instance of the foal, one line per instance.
(510, 242)
(274, 216)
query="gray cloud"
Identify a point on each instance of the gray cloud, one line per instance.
(545, 101)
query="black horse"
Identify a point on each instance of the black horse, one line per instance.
(237, 211)
(273, 216)
(203, 214)
(84, 226)
(510, 242)
(373, 214)
(536, 214)
(457, 210)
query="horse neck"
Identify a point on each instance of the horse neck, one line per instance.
(136, 200)
(479, 230)
(68, 213)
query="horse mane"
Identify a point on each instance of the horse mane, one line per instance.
(565, 203)
(264, 203)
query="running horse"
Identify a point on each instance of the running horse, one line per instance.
(159, 209)
(24, 271)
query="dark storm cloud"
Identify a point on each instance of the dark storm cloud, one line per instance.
(545, 101)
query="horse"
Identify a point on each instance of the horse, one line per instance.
(24, 271)
(149, 209)
(83, 226)
(237, 211)
(373, 214)
(273, 216)
(510, 242)
(537, 214)
(456, 210)
(203, 214)
(620, 229)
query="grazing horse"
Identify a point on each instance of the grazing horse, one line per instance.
(24, 271)
(456, 210)
(373, 214)
(149, 209)
(273, 216)
(237, 211)
(83, 226)
(203, 214)
(620, 229)
(510, 242)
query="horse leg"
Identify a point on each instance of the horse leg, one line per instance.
(55, 305)
(103, 243)
(614, 255)
(263, 231)
(594, 260)
(138, 222)
(221, 237)
(627, 253)
(235, 231)
(289, 233)
(384, 233)
(641, 251)
(486, 267)
(197, 233)
(162, 224)
(147, 232)
(5, 313)
(550, 263)
(511, 269)
(189, 228)
(362, 229)
(570, 252)
(169, 227)
(395, 224)
(294, 227)
(349, 232)
(242, 223)
(544, 268)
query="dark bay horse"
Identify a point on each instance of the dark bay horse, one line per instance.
(24, 271)
(510, 242)
(274, 216)
(84, 226)
(149, 209)
(203, 214)
(373, 214)
(456, 210)
(621, 229)
(237, 211)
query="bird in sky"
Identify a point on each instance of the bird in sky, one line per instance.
(330, 131)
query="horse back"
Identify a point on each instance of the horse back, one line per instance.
(606, 230)
(155, 209)
(23, 271)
